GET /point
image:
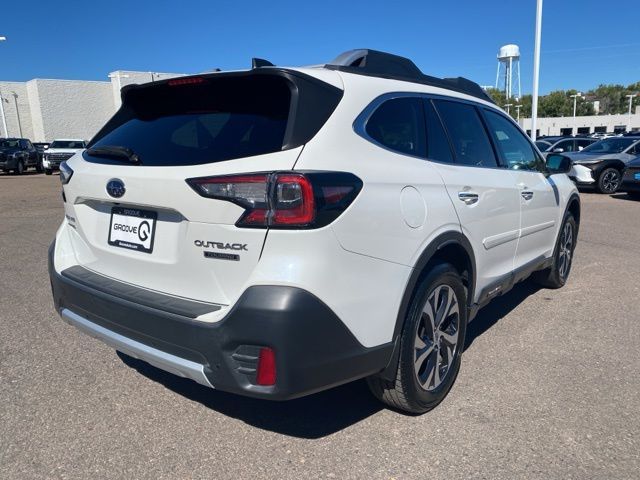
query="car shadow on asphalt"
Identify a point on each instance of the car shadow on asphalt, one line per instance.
(323, 413)
(498, 309)
(624, 196)
(311, 417)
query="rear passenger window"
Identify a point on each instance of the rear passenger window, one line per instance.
(398, 125)
(466, 131)
(438, 147)
(516, 150)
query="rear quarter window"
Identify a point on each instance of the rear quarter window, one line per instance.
(398, 124)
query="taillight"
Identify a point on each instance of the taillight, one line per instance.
(283, 199)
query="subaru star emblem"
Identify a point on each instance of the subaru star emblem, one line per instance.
(115, 188)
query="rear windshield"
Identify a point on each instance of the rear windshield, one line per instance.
(196, 123)
(67, 144)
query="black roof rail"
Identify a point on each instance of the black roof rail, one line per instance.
(387, 65)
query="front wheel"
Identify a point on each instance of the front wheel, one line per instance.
(557, 274)
(19, 167)
(609, 181)
(431, 344)
(48, 171)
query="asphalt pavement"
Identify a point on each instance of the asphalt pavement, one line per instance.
(549, 385)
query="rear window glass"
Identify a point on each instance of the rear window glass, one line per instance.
(191, 124)
(67, 144)
(398, 124)
(467, 134)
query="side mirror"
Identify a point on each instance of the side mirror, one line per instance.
(557, 163)
(46, 147)
(558, 150)
(580, 149)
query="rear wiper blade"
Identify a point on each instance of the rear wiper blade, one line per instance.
(116, 152)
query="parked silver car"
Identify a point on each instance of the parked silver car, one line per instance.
(602, 163)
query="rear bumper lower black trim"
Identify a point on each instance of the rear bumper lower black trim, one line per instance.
(314, 349)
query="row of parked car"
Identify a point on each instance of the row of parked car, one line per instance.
(610, 164)
(17, 155)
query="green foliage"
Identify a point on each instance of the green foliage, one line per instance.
(559, 103)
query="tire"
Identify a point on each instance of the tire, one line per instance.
(19, 168)
(556, 276)
(415, 389)
(609, 181)
(39, 168)
(48, 171)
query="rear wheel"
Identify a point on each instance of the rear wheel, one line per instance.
(39, 168)
(48, 171)
(556, 275)
(431, 344)
(609, 181)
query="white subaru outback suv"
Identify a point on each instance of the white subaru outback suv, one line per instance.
(279, 231)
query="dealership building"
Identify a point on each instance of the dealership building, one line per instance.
(44, 109)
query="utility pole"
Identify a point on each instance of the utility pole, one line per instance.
(536, 70)
(518, 107)
(630, 97)
(507, 105)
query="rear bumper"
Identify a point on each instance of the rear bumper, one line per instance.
(314, 349)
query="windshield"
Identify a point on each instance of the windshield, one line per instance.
(543, 146)
(610, 145)
(67, 144)
(9, 143)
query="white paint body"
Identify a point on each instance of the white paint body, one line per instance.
(360, 264)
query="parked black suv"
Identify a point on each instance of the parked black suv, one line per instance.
(17, 155)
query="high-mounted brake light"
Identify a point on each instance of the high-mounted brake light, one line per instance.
(185, 81)
(283, 199)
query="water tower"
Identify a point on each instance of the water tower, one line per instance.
(509, 58)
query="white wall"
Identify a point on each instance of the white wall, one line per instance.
(49, 109)
(552, 126)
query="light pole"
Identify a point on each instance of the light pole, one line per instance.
(536, 70)
(518, 107)
(15, 101)
(575, 102)
(630, 97)
(507, 105)
(4, 119)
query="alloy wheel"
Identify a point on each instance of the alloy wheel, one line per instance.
(436, 338)
(566, 251)
(611, 181)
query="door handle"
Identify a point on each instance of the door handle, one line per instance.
(527, 195)
(469, 198)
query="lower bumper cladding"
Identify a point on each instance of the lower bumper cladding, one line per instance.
(309, 347)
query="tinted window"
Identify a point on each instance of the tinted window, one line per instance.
(514, 147)
(565, 145)
(467, 134)
(542, 145)
(398, 124)
(67, 144)
(192, 124)
(584, 142)
(610, 145)
(438, 147)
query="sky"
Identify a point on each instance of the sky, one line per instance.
(584, 43)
